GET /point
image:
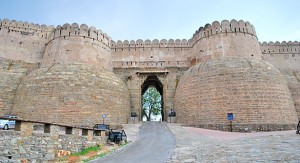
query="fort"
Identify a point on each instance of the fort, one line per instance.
(72, 74)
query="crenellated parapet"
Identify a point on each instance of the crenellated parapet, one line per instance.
(280, 47)
(283, 55)
(25, 28)
(224, 27)
(225, 39)
(23, 41)
(150, 54)
(171, 43)
(78, 44)
(83, 31)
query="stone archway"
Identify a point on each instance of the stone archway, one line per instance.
(153, 80)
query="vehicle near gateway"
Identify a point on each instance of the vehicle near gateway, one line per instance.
(6, 124)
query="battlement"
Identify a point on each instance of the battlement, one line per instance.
(224, 27)
(83, 30)
(26, 28)
(280, 47)
(234, 38)
(151, 44)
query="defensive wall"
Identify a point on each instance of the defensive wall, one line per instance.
(33, 141)
(78, 44)
(59, 73)
(71, 70)
(286, 57)
(143, 54)
(230, 77)
(23, 41)
(230, 38)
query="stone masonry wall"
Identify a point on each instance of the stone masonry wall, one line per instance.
(72, 94)
(31, 146)
(234, 38)
(12, 73)
(134, 82)
(23, 41)
(293, 81)
(284, 55)
(146, 54)
(78, 44)
(253, 90)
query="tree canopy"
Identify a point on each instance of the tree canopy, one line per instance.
(151, 103)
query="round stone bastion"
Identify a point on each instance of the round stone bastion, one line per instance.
(252, 90)
(72, 94)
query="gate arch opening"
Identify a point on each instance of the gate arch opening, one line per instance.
(153, 81)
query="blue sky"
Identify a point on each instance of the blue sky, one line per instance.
(274, 20)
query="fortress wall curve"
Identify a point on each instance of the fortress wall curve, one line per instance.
(225, 39)
(22, 40)
(78, 44)
(72, 94)
(286, 57)
(253, 90)
(231, 77)
(12, 73)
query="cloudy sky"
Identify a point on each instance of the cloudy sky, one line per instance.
(274, 20)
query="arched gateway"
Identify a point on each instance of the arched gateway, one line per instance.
(153, 81)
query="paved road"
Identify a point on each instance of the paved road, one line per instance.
(155, 144)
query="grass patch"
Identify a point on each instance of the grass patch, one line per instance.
(105, 153)
(87, 150)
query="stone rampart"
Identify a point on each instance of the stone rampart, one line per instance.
(234, 38)
(83, 30)
(156, 54)
(284, 55)
(253, 90)
(22, 40)
(224, 27)
(78, 44)
(26, 144)
(72, 94)
(74, 64)
(171, 43)
(12, 73)
(26, 28)
(293, 81)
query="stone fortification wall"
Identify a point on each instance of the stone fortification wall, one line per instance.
(146, 54)
(23, 41)
(29, 145)
(73, 75)
(284, 55)
(78, 44)
(293, 79)
(72, 94)
(12, 73)
(232, 78)
(253, 90)
(225, 39)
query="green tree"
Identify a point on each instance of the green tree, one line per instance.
(151, 103)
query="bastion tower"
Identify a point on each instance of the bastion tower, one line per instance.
(229, 76)
(73, 83)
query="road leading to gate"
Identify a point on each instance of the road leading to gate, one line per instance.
(155, 144)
